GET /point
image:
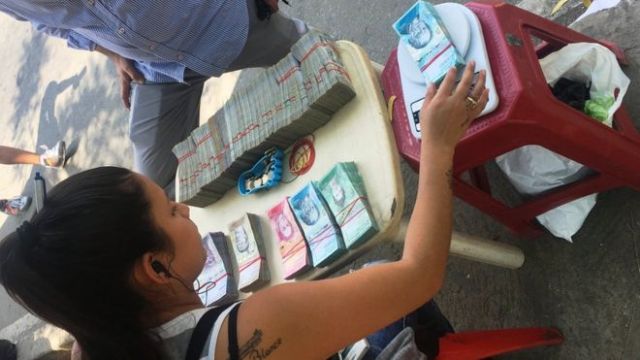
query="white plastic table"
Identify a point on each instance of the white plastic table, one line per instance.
(360, 132)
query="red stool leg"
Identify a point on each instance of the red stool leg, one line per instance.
(475, 345)
(622, 121)
(496, 209)
(558, 197)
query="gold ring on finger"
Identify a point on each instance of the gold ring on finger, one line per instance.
(471, 103)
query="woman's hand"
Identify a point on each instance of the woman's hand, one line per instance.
(448, 111)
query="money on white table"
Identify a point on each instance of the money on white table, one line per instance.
(343, 190)
(247, 244)
(216, 284)
(286, 102)
(293, 247)
(318, 226)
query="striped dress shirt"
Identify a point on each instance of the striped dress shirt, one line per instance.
(162, 37)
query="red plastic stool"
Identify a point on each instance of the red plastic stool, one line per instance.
(475, 345)
(528, 113)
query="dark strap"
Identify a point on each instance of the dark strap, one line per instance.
(201, 332)
(234, 350)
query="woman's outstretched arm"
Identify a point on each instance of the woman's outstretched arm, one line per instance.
(314, 319)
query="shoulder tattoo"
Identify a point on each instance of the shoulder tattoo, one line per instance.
(254, 349)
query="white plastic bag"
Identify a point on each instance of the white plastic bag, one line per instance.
(533, 169)
(588, 62)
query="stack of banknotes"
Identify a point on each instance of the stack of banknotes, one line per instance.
(216, 284)
(248, 248)
(345, 194)
(424, 35)
(293, 248)
(318, 225)
(286, 102)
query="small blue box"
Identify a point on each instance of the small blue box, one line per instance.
(428, 41)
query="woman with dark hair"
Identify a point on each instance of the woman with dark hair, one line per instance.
(111, 259)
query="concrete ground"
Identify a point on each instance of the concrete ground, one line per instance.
(589, 289)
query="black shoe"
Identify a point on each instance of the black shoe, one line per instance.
(8, 350)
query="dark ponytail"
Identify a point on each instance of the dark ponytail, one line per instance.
(71, 265)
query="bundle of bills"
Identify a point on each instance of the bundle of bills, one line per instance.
(216, 284)
(326, 82)
(426, 38)
(184, 152)
(293, 248)
(285, 102)
(318, 226)
(345, 194)
(248, 248)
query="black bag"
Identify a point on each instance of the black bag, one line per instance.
(8, 350)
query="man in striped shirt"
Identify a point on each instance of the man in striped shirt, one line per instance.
(163, 52)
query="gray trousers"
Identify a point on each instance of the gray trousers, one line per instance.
(163, 114)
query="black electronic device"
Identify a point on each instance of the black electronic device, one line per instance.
(159, 268)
